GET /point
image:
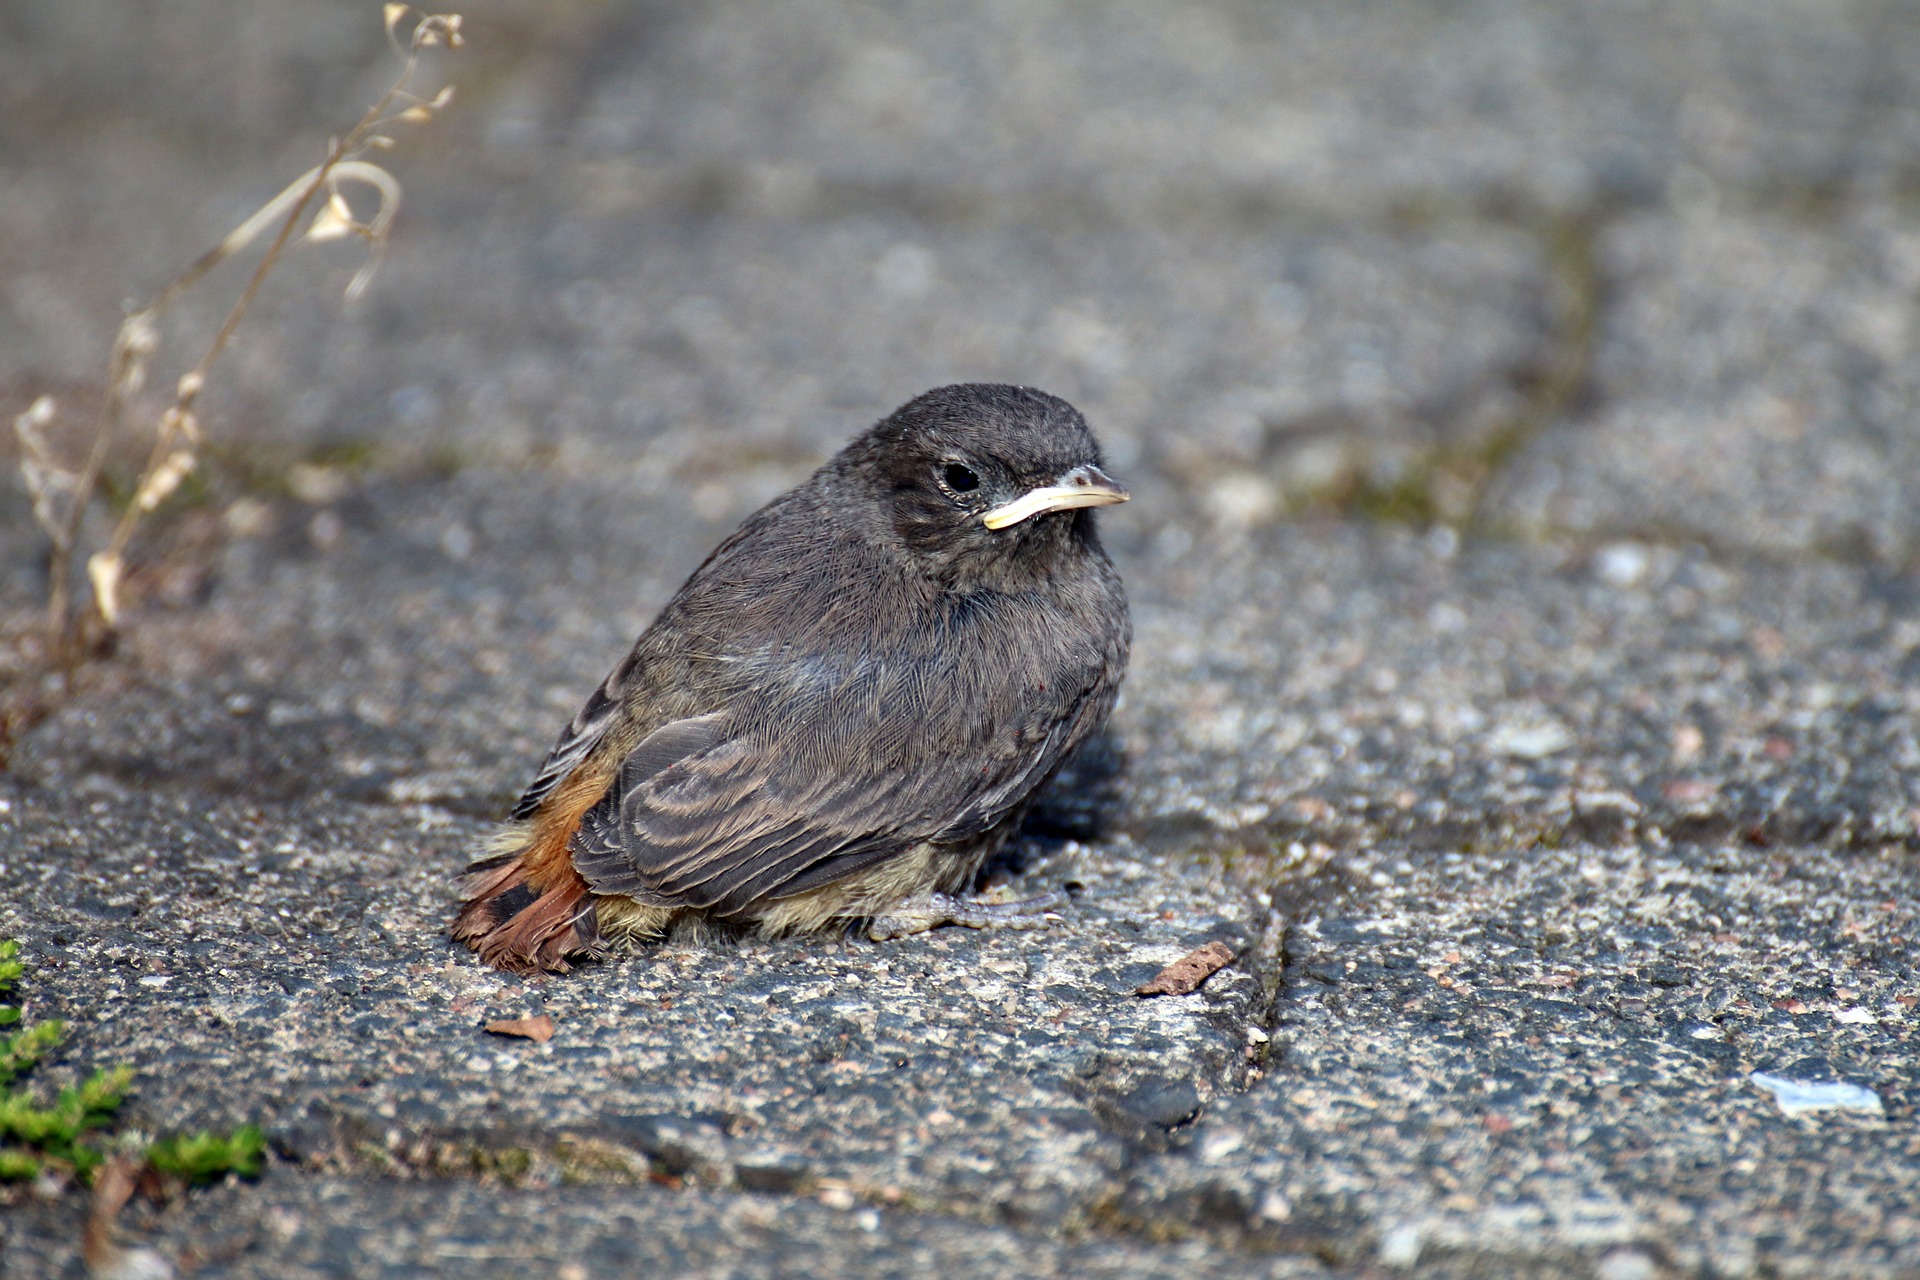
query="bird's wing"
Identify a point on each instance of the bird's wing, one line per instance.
(704, 816)
(589, 725)
(577, 740)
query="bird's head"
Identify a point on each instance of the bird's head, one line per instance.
(985, 478)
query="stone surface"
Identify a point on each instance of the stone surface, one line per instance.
(1282, 793)
(326, 1227)
(1517, 400)
(298, 959)
(1753, 388)
(1542, 1057)
(419, 642)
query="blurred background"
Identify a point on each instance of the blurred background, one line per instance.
(1562, 270)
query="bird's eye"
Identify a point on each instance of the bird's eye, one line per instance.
(960, 478)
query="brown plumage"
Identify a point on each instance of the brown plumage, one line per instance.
(846, 710)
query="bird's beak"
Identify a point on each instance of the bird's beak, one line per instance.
(1086, 486)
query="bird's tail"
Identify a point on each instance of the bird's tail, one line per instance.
(525, 908)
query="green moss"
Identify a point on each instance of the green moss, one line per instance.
(206, 1156)
(584, 1162)
(508, 1164)
(34, 1137)
(18, 1164)
(25, 1047)
(347, 454)
(1409, 499)
(1445, 486)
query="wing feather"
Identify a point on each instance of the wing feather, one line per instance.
(582, 734)
(745, 818)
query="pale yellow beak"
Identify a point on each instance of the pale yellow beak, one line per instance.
(1081, 487)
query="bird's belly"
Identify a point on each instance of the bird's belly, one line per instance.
(878, 890)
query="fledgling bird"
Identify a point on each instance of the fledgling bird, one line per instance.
(845, 711)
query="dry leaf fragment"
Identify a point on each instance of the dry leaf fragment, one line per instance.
(1187, 973)
(539, 1030)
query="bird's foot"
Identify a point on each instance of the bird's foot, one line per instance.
(921, 914)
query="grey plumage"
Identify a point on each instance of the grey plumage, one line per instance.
(862, 674)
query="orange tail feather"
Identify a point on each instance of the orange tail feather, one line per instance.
(530, 910)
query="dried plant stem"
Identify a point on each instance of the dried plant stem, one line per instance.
(178, 419)
(67, 533)
(113, 1186)
(172, 455)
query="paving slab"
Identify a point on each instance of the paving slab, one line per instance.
(292, 1226)
(1387, 684)
(1752, 386)
(1348, 101)
(1280, 255)
(1390, 749)
(571, 324)
(417, 641)
(1548, 1060)
(1278, 252)
(289, 964)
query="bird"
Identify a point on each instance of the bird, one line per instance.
(844, 712)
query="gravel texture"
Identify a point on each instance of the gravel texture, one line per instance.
(299, 959)
(328, 1227)
(1753, 388)
(1542, 1057)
